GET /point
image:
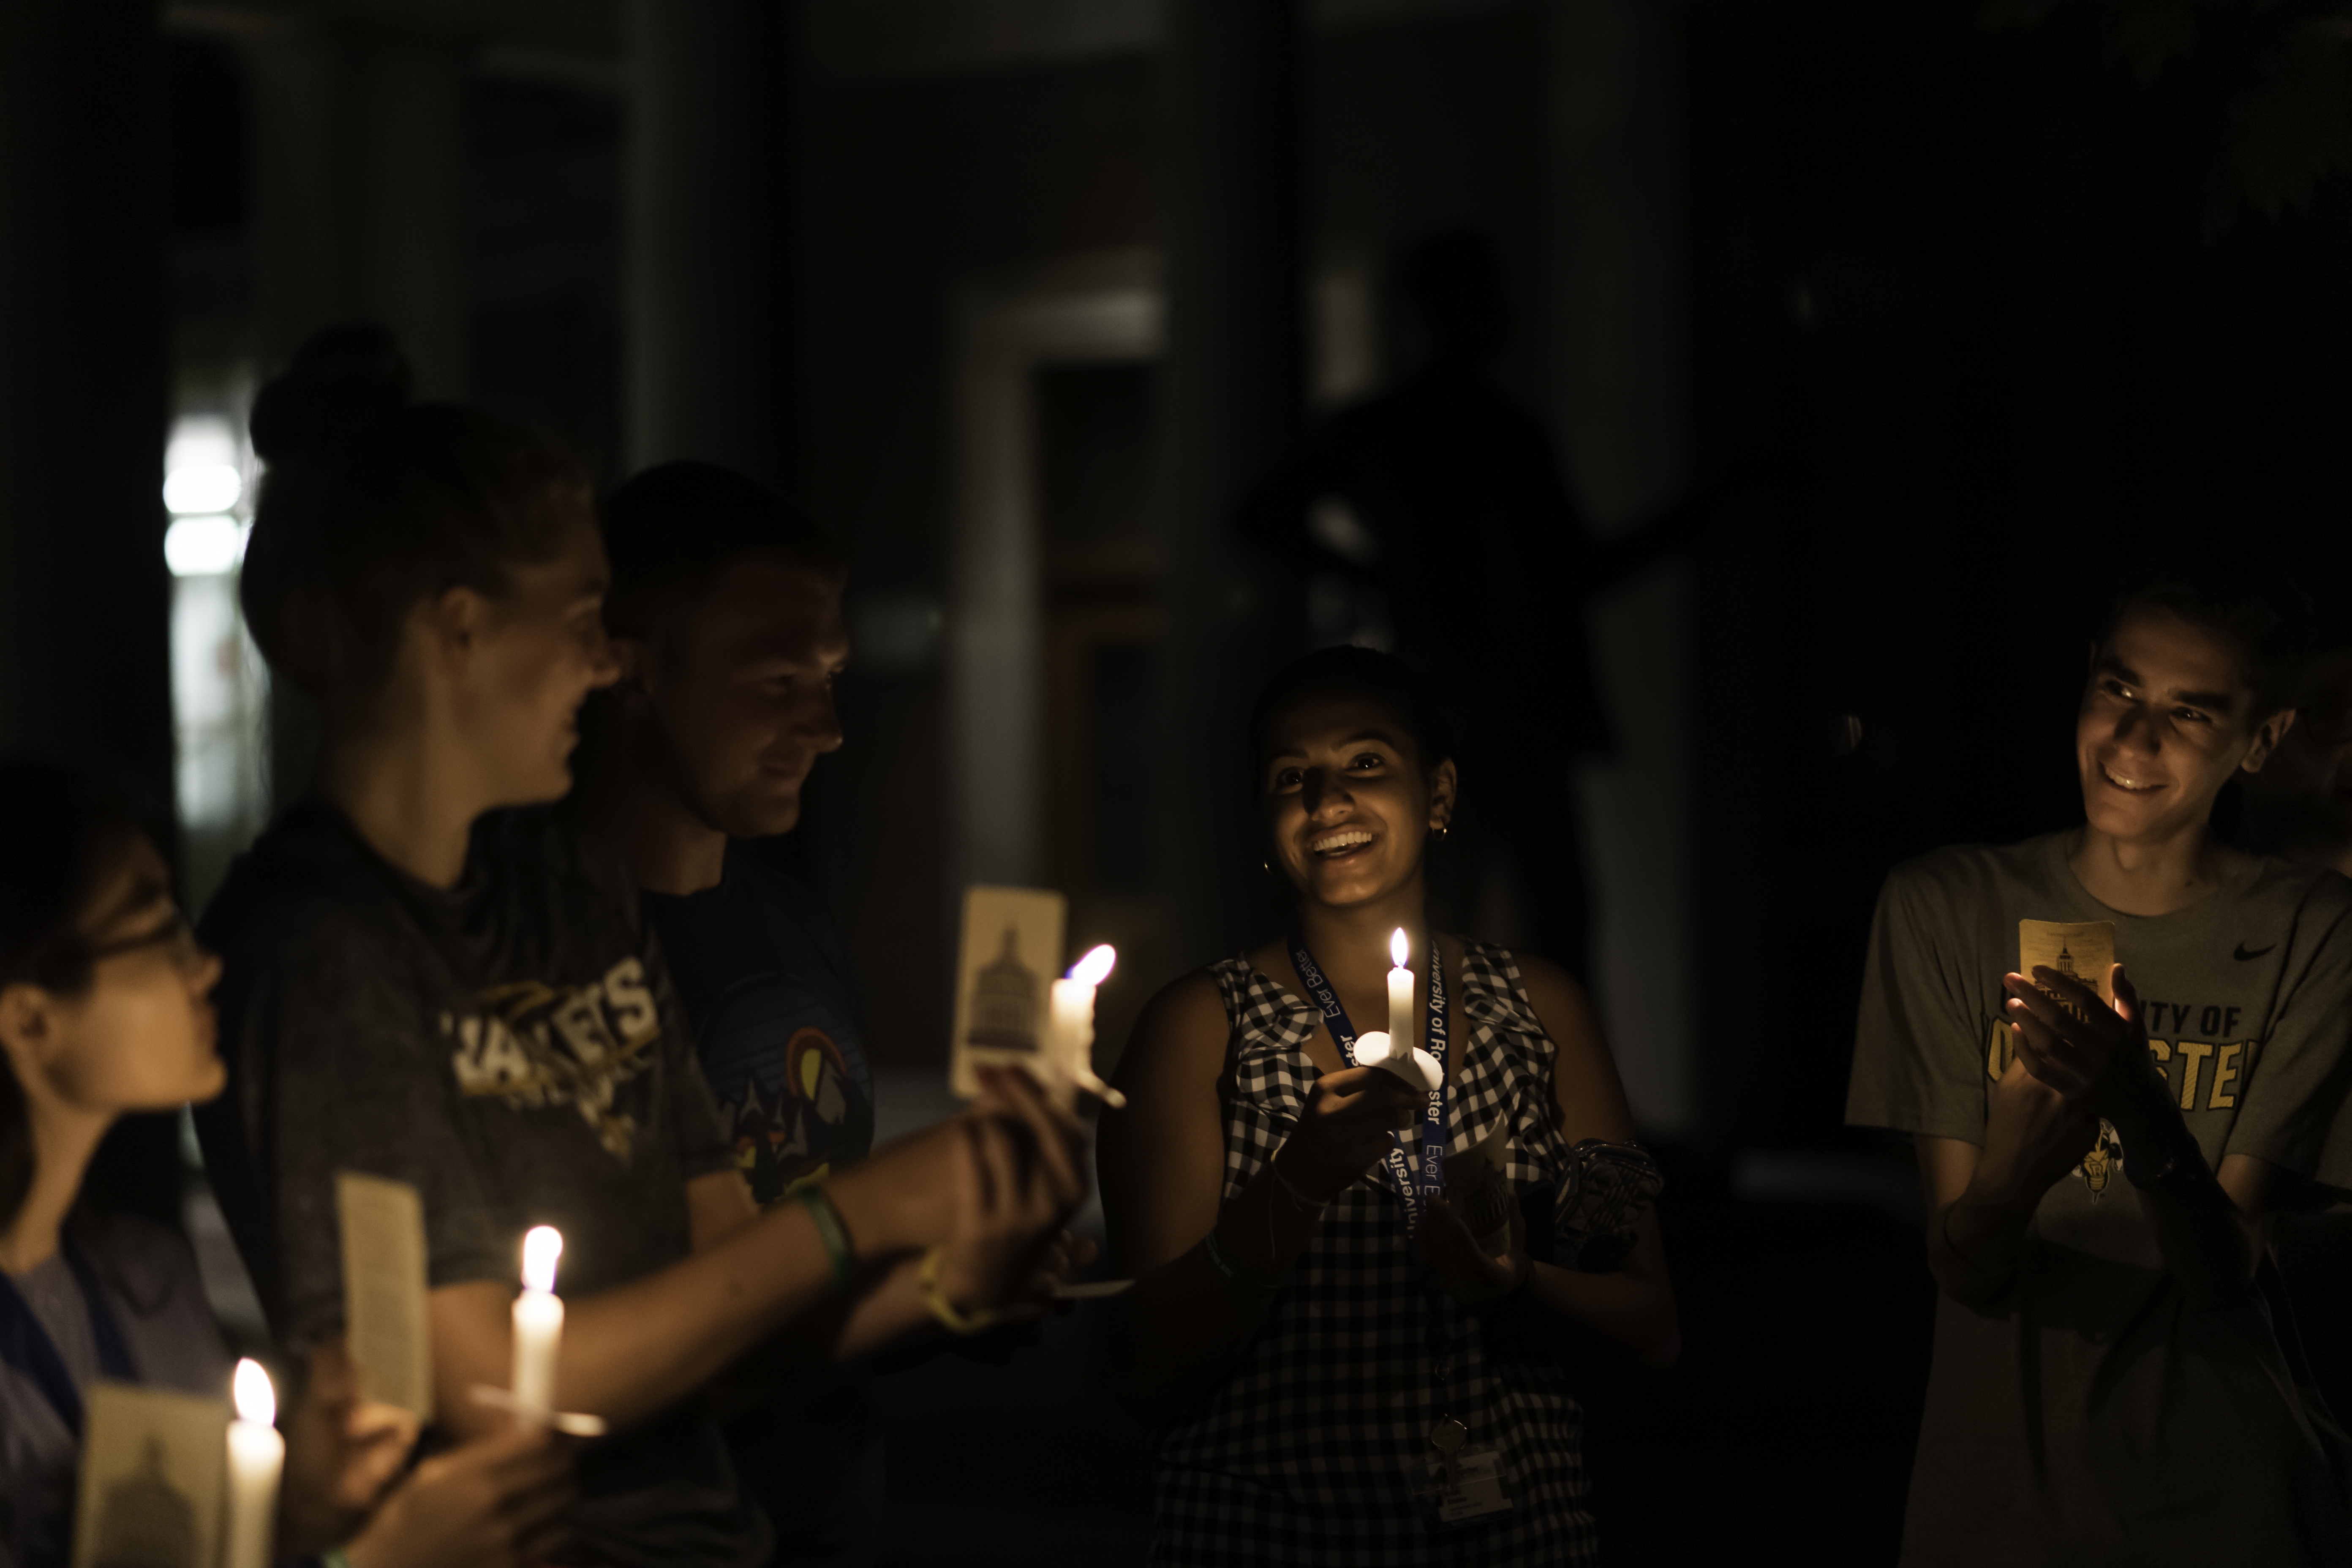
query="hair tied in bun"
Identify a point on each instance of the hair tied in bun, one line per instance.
(342, 380)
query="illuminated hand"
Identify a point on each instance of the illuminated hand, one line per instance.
(1019, 1176)
(2073, 1041)
(1348, 1126)
(341, 1452)
(496, 1502)
(2033, 1135)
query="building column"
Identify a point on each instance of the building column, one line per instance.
(1615, 223)
(359, 193)
(85, 661)
(1231, 395)
(409, 167)
(358, 147)
(709, 284)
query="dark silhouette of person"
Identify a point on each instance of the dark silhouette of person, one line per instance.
(1471, 530)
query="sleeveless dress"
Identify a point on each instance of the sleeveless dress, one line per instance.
(1310, 1449)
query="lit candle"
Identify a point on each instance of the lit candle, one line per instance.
(1400, 1029)
(538, 1328)
(1074, 1023)
(256, 1455)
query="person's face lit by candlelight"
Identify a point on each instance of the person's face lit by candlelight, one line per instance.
(1346, 802)
(2166, 720)
(739, 686)
(519, 668)
(134, 1030)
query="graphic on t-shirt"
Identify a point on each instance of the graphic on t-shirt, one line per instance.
(2104, 1160)
(793, 1085)
(536, 1044)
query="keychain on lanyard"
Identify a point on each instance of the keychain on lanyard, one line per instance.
(1416, 1191)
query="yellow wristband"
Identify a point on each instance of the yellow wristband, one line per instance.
(936, 1300)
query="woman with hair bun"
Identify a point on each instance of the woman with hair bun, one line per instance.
(1366, 1295)
(430, 978)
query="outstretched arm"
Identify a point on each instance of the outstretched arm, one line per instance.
(630, 1351)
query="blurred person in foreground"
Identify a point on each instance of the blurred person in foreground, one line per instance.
(430, 977)
(1343, 1367)
(2299, 807)
(726, 619)
(106, 1011)
(2107, 1385)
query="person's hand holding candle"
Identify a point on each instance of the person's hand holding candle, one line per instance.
(1020, 1173)
(341, 1455)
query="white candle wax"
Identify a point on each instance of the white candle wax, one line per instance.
(1074, 1029)
(256, 1456)
(538, 1328)
(1399, 993)
(1070, 1039)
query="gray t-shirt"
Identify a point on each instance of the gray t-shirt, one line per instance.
(157, 1301)
(512, 1049)
(2089, 1415)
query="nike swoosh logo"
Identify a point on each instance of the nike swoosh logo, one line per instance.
(2242, 954)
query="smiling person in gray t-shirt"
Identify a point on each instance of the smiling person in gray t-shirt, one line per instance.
(2107, 1385)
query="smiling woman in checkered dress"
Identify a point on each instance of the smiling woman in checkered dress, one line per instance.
(1297, 1345)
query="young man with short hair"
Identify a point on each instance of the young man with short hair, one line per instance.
(2106, 1383)
(726, 617)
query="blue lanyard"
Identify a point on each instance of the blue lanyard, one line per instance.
(1416, 1191)
(26, 1347)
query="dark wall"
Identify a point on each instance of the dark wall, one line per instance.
(544, 238)
(918, 187)
(1981, 325)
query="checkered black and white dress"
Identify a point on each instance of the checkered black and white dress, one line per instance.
(1309, 1451)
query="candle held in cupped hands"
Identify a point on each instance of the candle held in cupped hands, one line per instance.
(538, 1328)
(256, 1457)
(1394, 1051)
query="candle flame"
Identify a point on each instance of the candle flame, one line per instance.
(1095, 967)
(540, 1248)
(1397, 948)
(256, 1400)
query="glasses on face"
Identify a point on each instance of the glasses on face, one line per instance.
(175, 933)
(2328, 720)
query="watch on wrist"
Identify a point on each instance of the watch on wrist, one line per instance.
(2182, 1172)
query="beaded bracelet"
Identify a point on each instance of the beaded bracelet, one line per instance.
(832, 1232)
(935, 1300)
